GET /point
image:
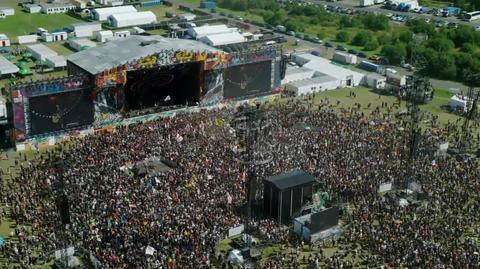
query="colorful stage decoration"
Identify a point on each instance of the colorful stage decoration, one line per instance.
(212, 60)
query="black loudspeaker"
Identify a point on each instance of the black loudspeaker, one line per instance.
(415, 140)
(63, 209)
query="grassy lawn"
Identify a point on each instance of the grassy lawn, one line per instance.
(23, 23)
(192, 2)
(365, 96)
(61, 48)
(246, 15)
(159, 11)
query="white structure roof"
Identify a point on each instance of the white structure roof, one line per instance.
(313, 81)
(81, 42)
(223, 39)
(56, 61)
(86, 25)
(6, 67)
(3, 37)
(133, 18)
(210, 30)
(41, 49)
(297, 73)
(103, 13)
(326, 67)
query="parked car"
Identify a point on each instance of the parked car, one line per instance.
(340, 47)
(291, 33)
(316, 53)
(362, 54)
(352, 51)
(222, 13)
(316, 40)
(374, 58)
(298, 35)
(452, 25)
(238, 18)
(306, 37)
(328, 45)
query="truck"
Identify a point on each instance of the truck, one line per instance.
(366, 3)
(281, 28)
(396, 79)
(365, 65)
(379, 2)
(451, 11)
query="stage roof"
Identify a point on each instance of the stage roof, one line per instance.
(291, 179)
(122, 51)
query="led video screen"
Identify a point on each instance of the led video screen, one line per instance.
(165, 86)
(248, 80)
(61, 111)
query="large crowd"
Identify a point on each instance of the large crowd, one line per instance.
(184, 212)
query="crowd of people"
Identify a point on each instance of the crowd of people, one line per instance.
(184, 212)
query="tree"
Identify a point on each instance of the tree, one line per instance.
(375, 22)
(362, 38)
(343, 36)
(440, 44)
(406, 36)
(371, 45)
(395, 54)
(384, 38)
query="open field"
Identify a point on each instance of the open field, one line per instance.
(23, 23)
(159, 11)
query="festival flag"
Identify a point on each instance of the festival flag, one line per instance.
(179, 138)
(229, 199)
(219, 122)
(149, 250)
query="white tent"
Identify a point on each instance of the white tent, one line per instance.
(223, 39)
(6, 67)
(459, 102)
(132, 19)
(101, 14)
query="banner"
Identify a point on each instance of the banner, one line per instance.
(236, 230)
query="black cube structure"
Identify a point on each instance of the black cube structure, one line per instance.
(285, 194)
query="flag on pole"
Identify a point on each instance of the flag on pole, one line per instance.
(179, 138)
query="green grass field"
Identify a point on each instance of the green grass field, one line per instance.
(23, 23)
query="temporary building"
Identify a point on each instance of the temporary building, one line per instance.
(6, 67)
(197, 32)
(56, 61)
(223, 39)
(121, 34)
(104, 36)
(187, 16)
(344, 58)
(112, 3)
(81, 44)
(32, 8)
(86, 29)
(87, 26)
(102, 14)
(57, 8)
(347, 77)
(296, 74)
(132, 19)
(40, 51)
(54, 37)
(375, 81)
(315, 84)
(7, 11)
(26, 39)
(4, 41)
(80, 3)
(459, 102)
